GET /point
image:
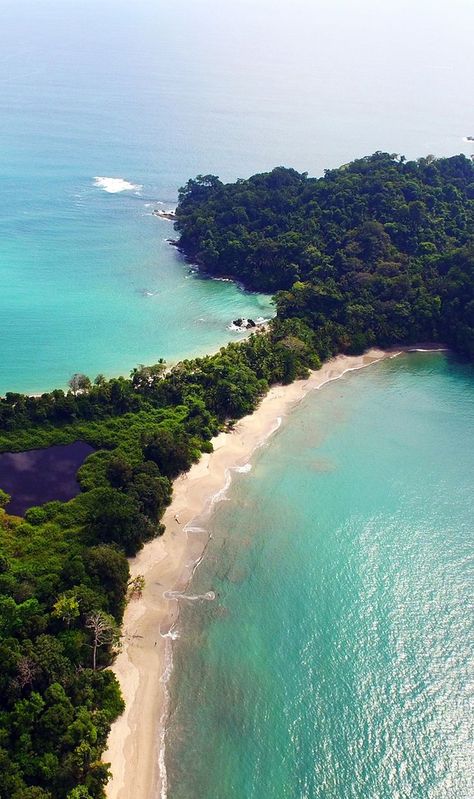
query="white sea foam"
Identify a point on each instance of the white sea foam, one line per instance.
(220, 495)
(238, 328)
(277, 425)
(428, 349)
(207, 597)
(173, 634)
(243, 469)
(164, 679)
(193, 529)
(115, 185)
(365, 365)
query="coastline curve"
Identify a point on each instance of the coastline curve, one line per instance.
(145, 663)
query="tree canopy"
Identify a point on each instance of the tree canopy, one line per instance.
(378, 251)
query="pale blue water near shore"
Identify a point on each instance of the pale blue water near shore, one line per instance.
(337, 661)
(154, 92)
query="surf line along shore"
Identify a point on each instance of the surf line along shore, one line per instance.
(136, 741)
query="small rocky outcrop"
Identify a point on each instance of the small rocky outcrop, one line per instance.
(244, 324)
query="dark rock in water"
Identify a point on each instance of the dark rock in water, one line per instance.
(244, 324)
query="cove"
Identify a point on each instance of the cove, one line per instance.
(41, 475)
(108, 108)
(336, 659)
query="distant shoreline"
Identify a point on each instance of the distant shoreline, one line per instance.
(136, 741)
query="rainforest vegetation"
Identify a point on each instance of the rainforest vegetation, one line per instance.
(379, 251)
(64, 575)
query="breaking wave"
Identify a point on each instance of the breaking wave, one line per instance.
(115, 185)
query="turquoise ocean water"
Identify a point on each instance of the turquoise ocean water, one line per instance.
(152, 93)
(337, 660)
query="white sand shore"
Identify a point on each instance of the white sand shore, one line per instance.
(135, 748)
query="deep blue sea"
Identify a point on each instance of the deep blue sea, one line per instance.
(337, 661)
(153, 92)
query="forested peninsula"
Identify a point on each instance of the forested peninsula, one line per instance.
(378, 252)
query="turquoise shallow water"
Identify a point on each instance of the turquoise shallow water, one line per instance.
(155, 92)
(337, 660)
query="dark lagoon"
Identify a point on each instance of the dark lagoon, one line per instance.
(41, 475)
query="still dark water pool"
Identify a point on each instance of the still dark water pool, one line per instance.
(41, 475)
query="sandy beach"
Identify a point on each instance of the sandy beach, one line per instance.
(135, 746)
